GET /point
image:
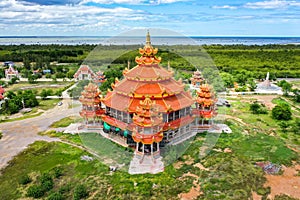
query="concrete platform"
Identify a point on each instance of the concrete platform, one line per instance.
(148, 165)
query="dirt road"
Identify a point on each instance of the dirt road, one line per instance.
(19, 134)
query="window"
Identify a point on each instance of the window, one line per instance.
(176, 114)
(165, 117)
(147, 130)
(171, 116)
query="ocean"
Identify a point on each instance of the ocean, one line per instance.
(105, 40)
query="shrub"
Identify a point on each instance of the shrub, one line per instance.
(25, 179)
(35, 191)
(282, 111)
(58, 172)
(46, 182)
(257, 108)
(80, 192)
(55, 196)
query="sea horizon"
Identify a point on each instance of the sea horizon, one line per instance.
(158, 40)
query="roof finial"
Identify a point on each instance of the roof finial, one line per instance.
(148, 42)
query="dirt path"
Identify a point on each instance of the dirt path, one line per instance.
(288, 183)
(19, 134)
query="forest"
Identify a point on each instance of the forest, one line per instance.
(279, 60)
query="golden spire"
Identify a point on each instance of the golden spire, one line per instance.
(148, 42)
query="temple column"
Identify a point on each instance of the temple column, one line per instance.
(143, 148)
(152, 149)
(157, 146)
(137, 147)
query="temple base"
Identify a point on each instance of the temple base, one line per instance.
(148, 165)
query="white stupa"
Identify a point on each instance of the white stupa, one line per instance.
(268, 87)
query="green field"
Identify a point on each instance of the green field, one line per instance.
(230, 175)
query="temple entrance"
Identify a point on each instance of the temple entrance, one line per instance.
(147, 149)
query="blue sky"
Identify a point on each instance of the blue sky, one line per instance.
(188, 17)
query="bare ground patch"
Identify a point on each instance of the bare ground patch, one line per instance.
(288, 183)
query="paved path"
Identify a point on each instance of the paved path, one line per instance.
(19, 134)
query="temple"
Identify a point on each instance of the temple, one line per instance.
(84, 73)
(11, 72)
(149, 108)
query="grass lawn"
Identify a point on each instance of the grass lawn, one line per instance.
(43, 105)
(230, 176)
(38, 87)
(48, 104)
(66, 122)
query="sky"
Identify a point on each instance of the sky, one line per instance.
(187, 17)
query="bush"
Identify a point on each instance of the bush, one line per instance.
(282, 111)
(1, 135)
(25, 179)
(46, 182)
(80, 192)
(257, 108)
(35, 191)
(55, 196)
(58, 172)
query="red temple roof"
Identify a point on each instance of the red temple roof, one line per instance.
(148, 78)
(1, 92)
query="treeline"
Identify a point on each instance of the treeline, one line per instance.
(280, 60)
(32, 53)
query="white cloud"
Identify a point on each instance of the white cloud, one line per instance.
(70, 18)
(132, 2)
(225, 7)
(273, 4)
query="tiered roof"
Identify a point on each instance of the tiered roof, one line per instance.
(197, 77)
(206, 100)
(100, 77)
(147, 115)
(91, 97)
(148, 78)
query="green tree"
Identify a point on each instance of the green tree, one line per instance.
(286, 87)
(251, 84)
(282, 111)
(26, 63)
(227, 80)
(44, 94)
(32, 78)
